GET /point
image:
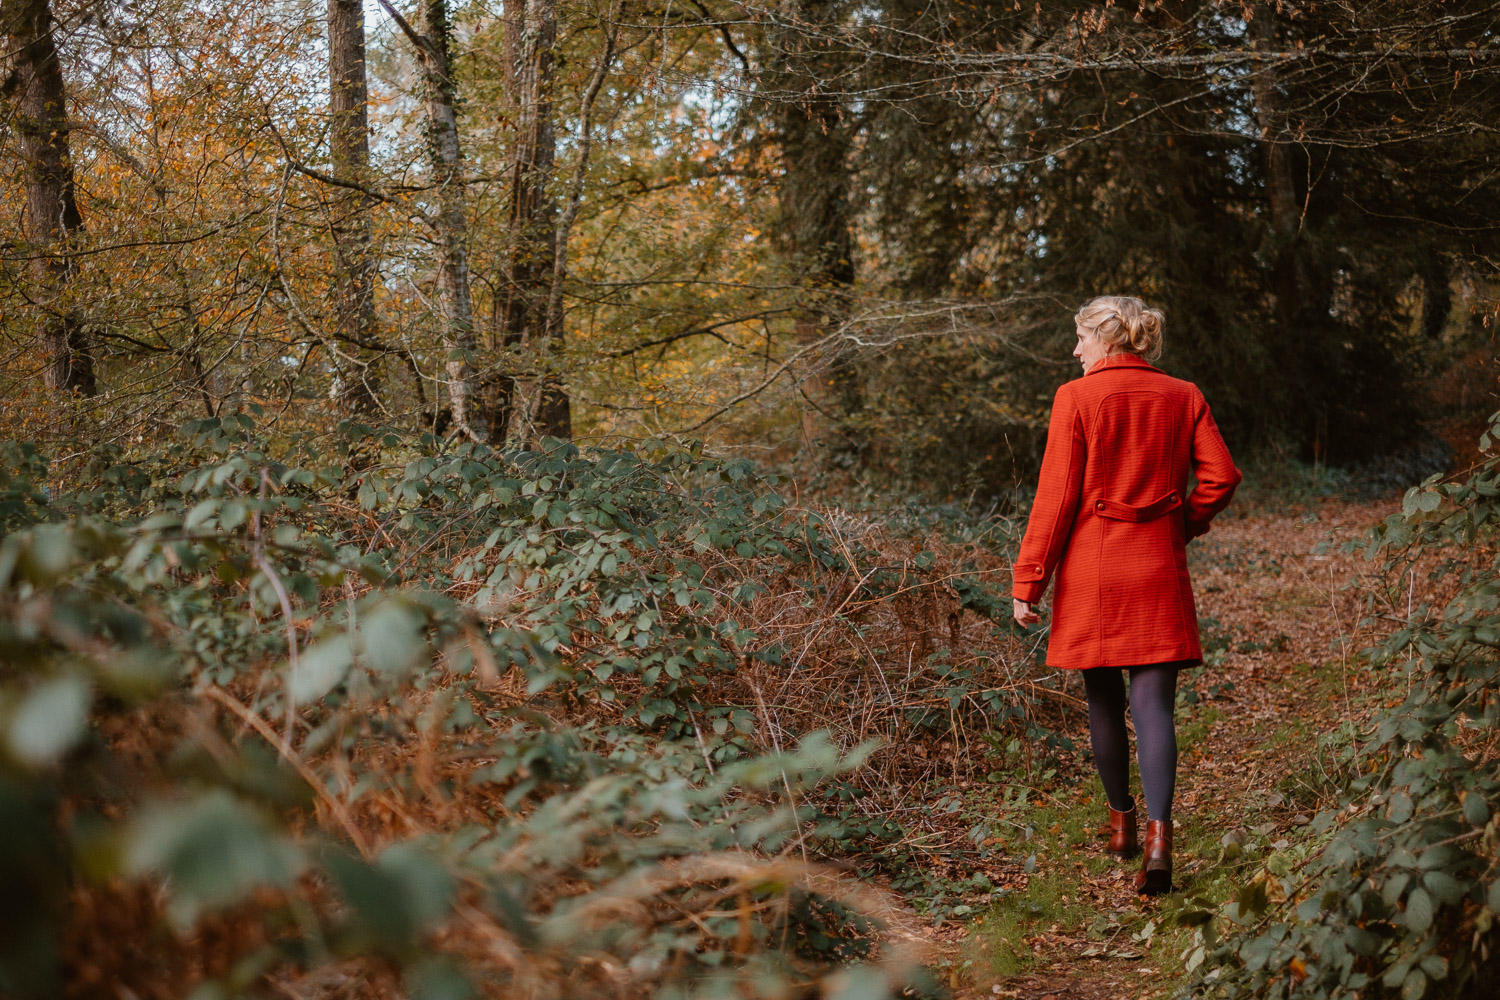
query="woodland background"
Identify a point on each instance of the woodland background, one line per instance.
(448, 444)
(849, 232)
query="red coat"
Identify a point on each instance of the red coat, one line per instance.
(1112, 515)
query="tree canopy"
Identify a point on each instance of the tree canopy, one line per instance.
(848, 232)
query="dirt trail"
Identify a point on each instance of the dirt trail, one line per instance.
(1272, 591)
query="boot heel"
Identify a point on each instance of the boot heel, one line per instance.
(1155, 876)
(1158, 878)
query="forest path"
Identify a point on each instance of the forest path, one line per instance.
(1259, 740)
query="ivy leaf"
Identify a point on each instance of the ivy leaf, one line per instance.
(1436, 966)
(200, 513)
(435, 978)
(1252, 899)
(1256, 952)
(1396, 974)
(232, 515)
(46, 555)
(426, 886)
(1393, 888)
(391, 637)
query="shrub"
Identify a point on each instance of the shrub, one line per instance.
(1401, 894)
(320, 715)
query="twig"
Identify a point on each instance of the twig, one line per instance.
(340, 812)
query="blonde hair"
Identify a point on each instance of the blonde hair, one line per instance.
(1124, 321)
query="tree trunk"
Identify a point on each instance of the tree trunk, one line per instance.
(355, 265)
(1437, 296)
(555, 410)
(1281, 189)
(34, 84)
(536, 405)
(1302, 284)
(815, 206)
(816, 223)
(455, 303)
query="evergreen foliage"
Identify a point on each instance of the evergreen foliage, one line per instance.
(1303, 223)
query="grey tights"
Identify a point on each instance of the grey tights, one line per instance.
(1153, 694)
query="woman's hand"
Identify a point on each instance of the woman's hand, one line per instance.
(1024, 615)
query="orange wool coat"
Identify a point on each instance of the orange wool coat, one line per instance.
(1112, 515)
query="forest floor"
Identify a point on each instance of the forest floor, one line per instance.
(1261, 728)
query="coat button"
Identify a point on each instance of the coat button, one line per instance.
(1099, 505)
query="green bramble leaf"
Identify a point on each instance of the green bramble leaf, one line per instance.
(212, 850)
(319, 668)
(48, 720)
(1419, 911)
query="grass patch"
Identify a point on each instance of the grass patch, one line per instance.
(1000, 943)
(1290, 735)
(1068, 829)
(1194, 730)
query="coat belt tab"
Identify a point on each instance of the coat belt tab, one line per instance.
(1118, 511)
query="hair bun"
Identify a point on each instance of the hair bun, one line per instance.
(1146, 330)
(1124, 321)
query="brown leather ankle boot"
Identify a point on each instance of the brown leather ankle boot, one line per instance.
(1122, 833)
(1155, 876)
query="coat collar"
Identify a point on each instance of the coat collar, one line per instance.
(1124, 359)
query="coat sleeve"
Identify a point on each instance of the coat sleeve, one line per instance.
(1058, 492)
(1212, 467)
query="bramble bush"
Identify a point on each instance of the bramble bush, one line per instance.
(446, 726)
(1398, 892)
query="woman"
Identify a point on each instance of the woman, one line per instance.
(1111, 517)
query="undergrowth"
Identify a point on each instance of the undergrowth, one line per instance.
(1394, 890)
(523, 724)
